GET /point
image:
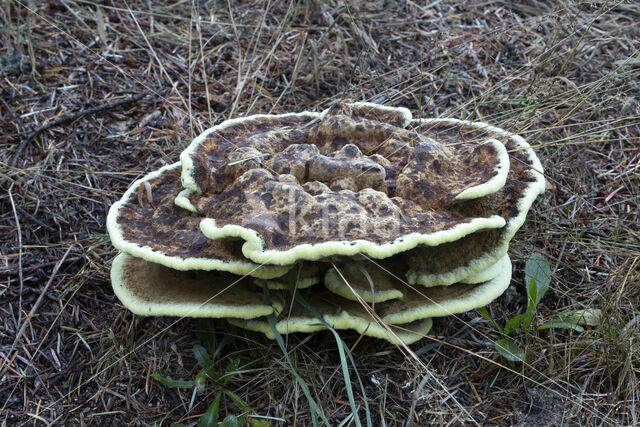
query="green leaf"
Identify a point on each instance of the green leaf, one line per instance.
(537, 276)
(586, 317)
(210, 418)
(231, 368)
(510, 350)
(257, 422)
(102, 33)
(532, 295)
(231, 421)
(513, 324)
(485, 313)
(560, 324)
(574, 319)
(171, 383)
(202, 356)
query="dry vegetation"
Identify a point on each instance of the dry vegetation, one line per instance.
(566, 75)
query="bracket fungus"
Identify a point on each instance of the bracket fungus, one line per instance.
(380, 221)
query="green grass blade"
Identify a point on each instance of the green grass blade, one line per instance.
(315, 409)
(171, 383)
(345, 367)
(485, 313)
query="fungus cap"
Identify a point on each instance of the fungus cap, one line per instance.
(435, 201)
(349, 180)
(147, 224)
(452, 262)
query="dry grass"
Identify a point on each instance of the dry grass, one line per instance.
(565, 74)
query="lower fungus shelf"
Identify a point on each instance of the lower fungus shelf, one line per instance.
(395, 334)
(152, 289)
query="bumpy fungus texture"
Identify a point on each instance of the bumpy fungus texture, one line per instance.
(147, 224)
(381, 222)
(453, 261)
(339, 183)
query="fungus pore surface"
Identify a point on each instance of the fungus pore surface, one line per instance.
(409, 316)
(151, 289)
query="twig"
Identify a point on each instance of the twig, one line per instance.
(15, 215)
(66, 118)
(10, 112)
(34, 219)
(39, 300)
(33, 268)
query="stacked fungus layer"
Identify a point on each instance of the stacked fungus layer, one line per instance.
(373, 221)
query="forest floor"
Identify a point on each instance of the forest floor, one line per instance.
(563, 74)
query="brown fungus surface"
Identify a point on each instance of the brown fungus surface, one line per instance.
(415, 303)
(147, 224)
(436, 203)
(151, 289)
(451, 262)
(307, 186)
